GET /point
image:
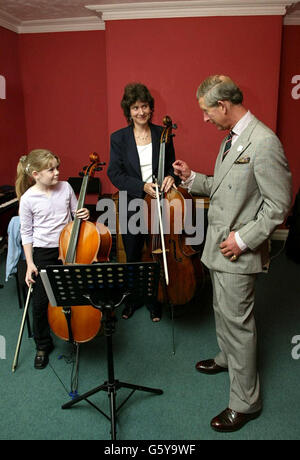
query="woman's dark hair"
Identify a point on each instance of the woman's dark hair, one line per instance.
(134, 92)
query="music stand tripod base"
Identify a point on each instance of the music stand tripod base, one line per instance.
(105, 286)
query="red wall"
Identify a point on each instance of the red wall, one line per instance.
(73, 83)
(289, 101)
(172, 56)
(64, 78)
(12, 119)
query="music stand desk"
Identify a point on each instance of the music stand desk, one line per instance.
(105, 286)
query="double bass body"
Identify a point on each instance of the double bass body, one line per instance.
(184, 266)
(181, 261)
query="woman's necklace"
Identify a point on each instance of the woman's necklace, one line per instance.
(142, 137)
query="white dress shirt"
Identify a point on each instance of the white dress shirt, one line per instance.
(145, 154)
(43, 216)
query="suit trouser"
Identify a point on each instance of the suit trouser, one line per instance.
(233, 302)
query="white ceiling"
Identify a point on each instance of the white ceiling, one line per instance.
(28, 10)
(36, 15)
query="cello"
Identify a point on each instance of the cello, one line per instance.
(81, 242)
(167, 245)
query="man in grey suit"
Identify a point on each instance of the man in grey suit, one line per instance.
(250, 195)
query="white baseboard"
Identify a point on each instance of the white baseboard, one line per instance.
(280, 234)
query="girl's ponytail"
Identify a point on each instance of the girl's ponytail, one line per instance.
(23, 180)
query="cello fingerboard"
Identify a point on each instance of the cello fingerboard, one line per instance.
(71, 252)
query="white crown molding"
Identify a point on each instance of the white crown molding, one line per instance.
(62, 25)
(51, 25)
(292, 19)
(9, 22)
(149, 10)
(194, 8)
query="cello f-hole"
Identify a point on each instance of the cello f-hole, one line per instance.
(174, 251)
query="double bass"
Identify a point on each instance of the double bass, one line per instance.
(81, 242)
(167, 245)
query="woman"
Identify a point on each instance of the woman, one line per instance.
(134, 155)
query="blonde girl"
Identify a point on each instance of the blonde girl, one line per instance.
(46, 206)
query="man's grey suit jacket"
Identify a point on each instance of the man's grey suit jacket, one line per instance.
(251, 193)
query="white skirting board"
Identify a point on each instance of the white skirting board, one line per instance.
(280, 234)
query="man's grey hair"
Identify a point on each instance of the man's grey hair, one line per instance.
(219, 88)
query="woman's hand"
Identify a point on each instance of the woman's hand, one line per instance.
(83, 214)
(167, 184)
(149, 188)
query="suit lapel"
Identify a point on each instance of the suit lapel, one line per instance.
(223, 167)
(132, 152)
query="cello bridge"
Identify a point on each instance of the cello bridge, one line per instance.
(159, 251)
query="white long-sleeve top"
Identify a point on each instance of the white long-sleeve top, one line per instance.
(43, 216)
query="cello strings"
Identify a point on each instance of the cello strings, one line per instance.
(71, 252)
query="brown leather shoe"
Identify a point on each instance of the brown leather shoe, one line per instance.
(209, 367)
(230, 420)
(41, 359)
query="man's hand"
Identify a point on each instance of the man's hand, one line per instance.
(181, 169)
(230, 248)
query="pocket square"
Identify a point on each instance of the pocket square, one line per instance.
(242, 160)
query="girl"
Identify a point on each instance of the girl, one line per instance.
(46, 206)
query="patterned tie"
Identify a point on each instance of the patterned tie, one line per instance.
(227, 144)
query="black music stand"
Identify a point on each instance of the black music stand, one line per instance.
(105, 286)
